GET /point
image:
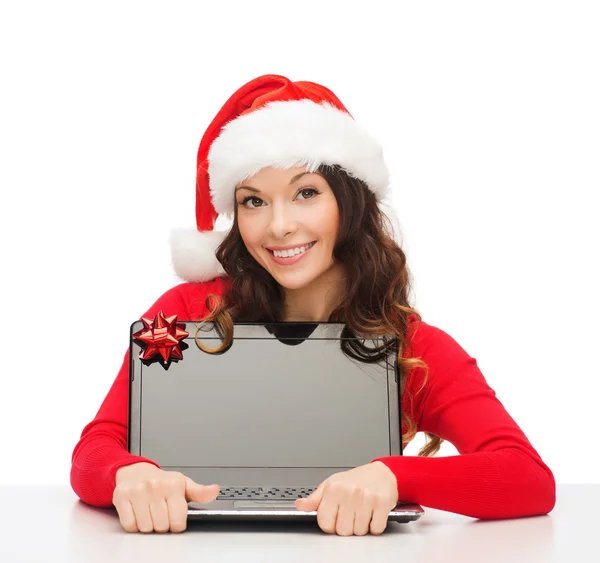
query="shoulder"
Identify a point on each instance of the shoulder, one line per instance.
(431, 343)
(450, 369)
(187, 300)
(446, 360)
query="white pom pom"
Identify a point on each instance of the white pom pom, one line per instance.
(389, 211)
(193, 254)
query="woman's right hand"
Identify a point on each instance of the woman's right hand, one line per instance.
(149, 499)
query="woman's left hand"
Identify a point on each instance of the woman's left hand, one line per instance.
(356, 502)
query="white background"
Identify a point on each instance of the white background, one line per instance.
(489, 117)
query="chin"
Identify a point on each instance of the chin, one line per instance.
(299, 279)
(294, 281)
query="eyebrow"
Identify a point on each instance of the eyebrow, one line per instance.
(294, 179)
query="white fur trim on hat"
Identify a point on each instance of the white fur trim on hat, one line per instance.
(193, 254)
(283, 134)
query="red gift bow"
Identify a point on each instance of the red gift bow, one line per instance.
(161, 336)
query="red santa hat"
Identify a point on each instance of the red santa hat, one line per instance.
(270, 121)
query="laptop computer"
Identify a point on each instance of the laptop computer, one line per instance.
(285, 406)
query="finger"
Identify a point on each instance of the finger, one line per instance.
(308, 503)
(363, 514)
(327, 514)
(349, 505)
(159, 514)
(200, 493)
(344, 524)
(126, 515)
(379, 519)
(177, 508)
(312, 501)
(143, 518)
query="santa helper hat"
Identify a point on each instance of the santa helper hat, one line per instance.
(270, 121)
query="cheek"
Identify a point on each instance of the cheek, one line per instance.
(326, 222)
(248, 233)
(252, 233)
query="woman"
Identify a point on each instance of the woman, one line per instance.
(310, 242)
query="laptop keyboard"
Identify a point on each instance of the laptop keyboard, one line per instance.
(229, 493)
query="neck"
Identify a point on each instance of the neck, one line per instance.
(316, 301)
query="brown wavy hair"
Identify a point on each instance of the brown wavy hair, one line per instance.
(378, 283)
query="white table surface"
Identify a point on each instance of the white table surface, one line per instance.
(50, 524)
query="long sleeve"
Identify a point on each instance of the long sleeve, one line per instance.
(102, 447)
(497, 474)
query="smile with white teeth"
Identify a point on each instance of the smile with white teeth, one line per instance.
(292, 251)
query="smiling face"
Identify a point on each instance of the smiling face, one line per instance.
(289, 220)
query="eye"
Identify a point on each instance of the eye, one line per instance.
(308, 193)
(253, 199)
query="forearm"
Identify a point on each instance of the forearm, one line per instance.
(94, 466)
(505, 483)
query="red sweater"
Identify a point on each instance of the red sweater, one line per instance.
(498, 474)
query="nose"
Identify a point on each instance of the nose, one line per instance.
(283, 222)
